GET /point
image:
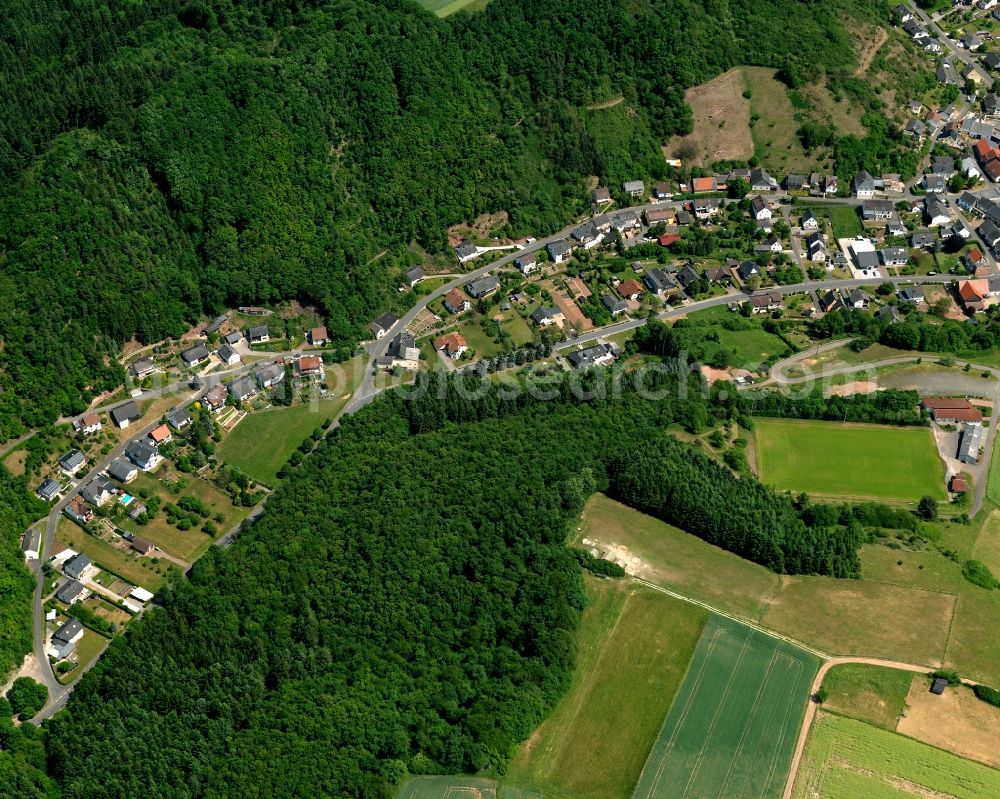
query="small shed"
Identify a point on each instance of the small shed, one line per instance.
(938, 686)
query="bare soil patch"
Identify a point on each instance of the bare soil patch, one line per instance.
(721, 128)
(955, 721)
(854, 387)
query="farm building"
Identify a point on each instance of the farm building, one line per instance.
(971, 443)
(952, 409)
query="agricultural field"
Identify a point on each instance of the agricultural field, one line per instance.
(449, 788)
(849, 460)
(868, 693)
(262, 442)
(634, 647)
(955, 721)
(831, 615)
(848, 759)
(733, 727)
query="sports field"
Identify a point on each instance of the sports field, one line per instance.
(859, 461)
(733, 726)
(847, 759)
(634, 647)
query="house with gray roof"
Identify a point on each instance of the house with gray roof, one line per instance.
(382, 325)
(122, 470)
(242, 389)
(70, 632)
(483, 287)
(31, 544)
(269, 375)
(466, 251)
(48, 490)
(98, 492)
(258, 334)
(543, 317)
(615, 305)
(142, 454)
(126, 413)
(228, 355)
(142, 368)
(634, 188)
(894, 256)
(414, 276)
(179, 418)
(596, 355)
(77, 565)
(195, 355)
(559, 251)
(71, 462)
(73, 591)
(214, 325)
(659, 282)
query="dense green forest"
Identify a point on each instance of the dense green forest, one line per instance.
(162, 160)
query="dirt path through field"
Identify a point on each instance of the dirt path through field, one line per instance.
(869, 54)
(606, 104)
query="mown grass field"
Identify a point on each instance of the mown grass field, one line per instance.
(262, 442)
(847, 759)
(849, 460)
(634, 647)
(442, 8)
(867, 693)
(732, 729)
(773, 124)
(835, 616)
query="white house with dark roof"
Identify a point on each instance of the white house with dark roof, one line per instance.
(71, 462)
(194, 356)
(559, 251)
(126, 413)
(258, 334)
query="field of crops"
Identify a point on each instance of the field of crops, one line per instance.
(849, 460)
(732, 728)
(847, 759)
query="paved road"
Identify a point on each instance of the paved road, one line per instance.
(967, 58)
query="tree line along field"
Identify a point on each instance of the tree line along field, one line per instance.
(848, 759)
(913, 606)
(733, 726)
(855, 461)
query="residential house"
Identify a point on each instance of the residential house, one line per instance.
(991, 60)
(971, 169)
(73, 591)
(857, 299)
(816, 246)
(215, 398)
(455, 301)
(973, 437)
(559, 251)
(142, 368)
(123, 415)
(686, 276)
(894, 226)
(829, 302)
(934, 183)
(310, 365)
(258, 334)
(234, 338)
(760, 180)
(319, 337)
(915, 107)
(602, 194)
(526, 263)
(634, 188)
(659, 216)
(77, 566)
(142, 545)
(270, 375)
(78, 509)
(543, 317)
(88, 423)
(890, 312)
(873, 210)
(194, 356)
(414, 276)
(668, 238)
(748, 270)
(403, 351)
(771, 244)
(160, 434)
(894, 256)
(936, 212)
(615, 305)
(382, 325)
(957, 230)
(705, 209)
(763, 303)
(452, 345)
(70, 632)
(466, 251)
(974, 259)
(98, 491)
(483, 287)
(660, 283)
(971, 41)
(228, 355)
(243, 388)
(179, 418)
(947, 74)
(31, 544)
(717, 275)
(915, 129)
(48, 490)
(759, 208)
(809, 221)
(968, 202)
(989, 232)
(630, 289)
(596, 355)
(973, 294)
(122, 470)
(136, 509)
(914, 294)
(142, 454)
(662, 191)
(924, 240)
(831, 184)
(700, 185)
(863, 186)
(902, 14)
(796, 182)
(71, 462)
